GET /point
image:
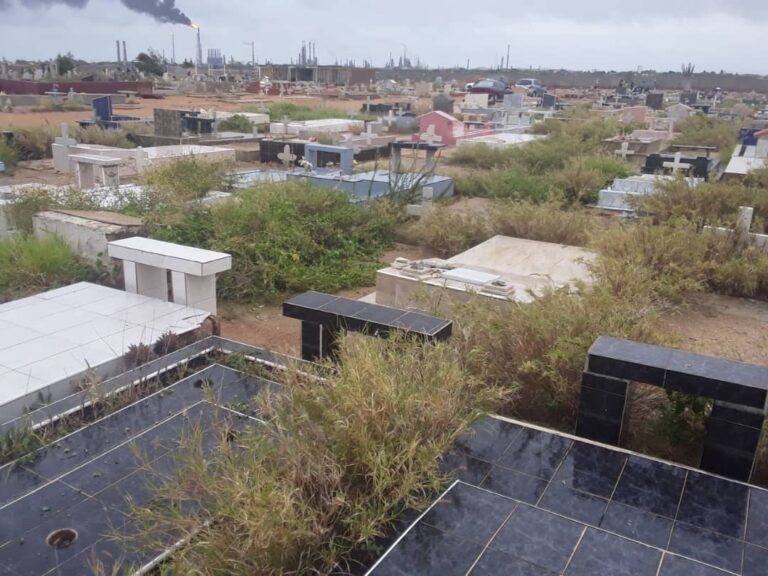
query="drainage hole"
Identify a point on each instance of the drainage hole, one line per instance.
(62, 538)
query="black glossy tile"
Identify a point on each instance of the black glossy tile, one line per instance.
(724, 460)
(757, 523)
(105, 470)
(753, 418)
(628, 360)
(343, 307)
(382, 315)
(469, 513)
(419, 322)
(706, 546)
(140, 488)
(536, 453)
(517, 485)
(464, 468)
(599, 383)
(310, 299)
(427, 551)
(32, 556)
(637, 524)
(495, 563)
(591, 469)
(36, 508)
(603, 405)
(713, 370)
(16, 481)
(538, 537)
(715, 504)
(574, 504)
(651, 486)
(107, 556)
(606, 554)
(676, 566)
(755, 561)
(598, 429)
(488, 439)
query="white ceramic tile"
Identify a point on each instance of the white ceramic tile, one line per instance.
(20, 303)
(13, 334)
(114, 304)
(55, 368)
(34, 351)
(62, 321)
(14, 385)
(65, 290)
(40, 309)
(147, 311)
(95, 330)
(88, 295)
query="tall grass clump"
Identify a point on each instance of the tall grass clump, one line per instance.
(708, 131)
(336, 463)
(29, 264)
(548, 222)
(8, 156)
(236, 123)
(295, 112)
(186, 179)
(286, 238)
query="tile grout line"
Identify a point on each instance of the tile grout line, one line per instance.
(575, 548)
(491, 539)
(677, 511)
(554, 473)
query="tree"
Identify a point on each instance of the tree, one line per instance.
(187, 64)
(150, 62)
(65, 63)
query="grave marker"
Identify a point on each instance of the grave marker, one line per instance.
(287, 157)
(624, 151)
(430, 137)
(677, 165)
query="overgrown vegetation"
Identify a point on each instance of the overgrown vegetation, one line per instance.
(567, 166)
(236, 123)
(338, 460)
(183, 180)
(281, 110)
(35, 143)
(8, 156)
(285, 238)
(701, 130)
(29, 264)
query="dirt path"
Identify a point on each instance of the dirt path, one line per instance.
(265, 325)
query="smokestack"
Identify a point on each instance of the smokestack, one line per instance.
(199, 48)
(118, 52)
(125, 54)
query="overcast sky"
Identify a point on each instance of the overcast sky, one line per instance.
(572, 34)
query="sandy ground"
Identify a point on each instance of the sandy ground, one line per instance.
(25, 117)
(265, 326)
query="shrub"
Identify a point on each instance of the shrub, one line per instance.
(708, 131)
(449, 232)
(29, 264)
(334, 466)
(33, 143)
(236, 123)
(96, 135)
(546, 222)
(7, 156)
(295, 112)
(512, 184)
(286, 238)
(186, 179)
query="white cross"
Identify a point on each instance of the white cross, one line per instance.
(430, 137)
(624, 151)
(286, 157)
(369, 135)
(677, 165)
(390, 119)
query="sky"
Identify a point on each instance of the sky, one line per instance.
(573, 34)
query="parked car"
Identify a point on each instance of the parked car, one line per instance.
(496, 89)
(534, 86)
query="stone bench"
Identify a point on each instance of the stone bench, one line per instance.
(85, 169)
(146, 264)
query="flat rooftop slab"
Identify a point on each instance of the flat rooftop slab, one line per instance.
(531, 501)
(48, 338)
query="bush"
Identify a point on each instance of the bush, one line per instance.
(236, 123)
(29, 264)
(543, 222)
(337, 462)
(512, 184)
(96, 135)
(295, 112)
(186, 179)
(708, 131)
(286, 238)
(33, 143)
(7, 156)
(449, 232)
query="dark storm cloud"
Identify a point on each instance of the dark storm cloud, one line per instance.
(160, 10)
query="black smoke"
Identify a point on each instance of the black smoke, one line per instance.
(161, 10)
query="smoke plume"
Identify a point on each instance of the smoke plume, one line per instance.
(161, 10)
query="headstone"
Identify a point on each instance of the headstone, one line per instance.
(430, 137)
(743, 224)
(624, 151)
(548, 101)
(677, 165)
(655, 100)
(286, 157)
(442, 103)
(476, 101)
(513, 101)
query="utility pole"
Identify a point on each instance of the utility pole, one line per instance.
(508, 48)
(252, 44)
(173, 48)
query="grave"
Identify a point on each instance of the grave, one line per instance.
(549, 101)
(500, 140)
(641, 143)
(87, 232)
(742, 231)
(513, 102)
(655, 100)
(693, 166)
(501, 268)
(306, 127)
(270, 151)
(91, 170)
(474, 101)
(104, 117)
(427, 201)
(739, 392)
(430, 148)
(147, 263)
(324, 316)
(533, 501)
(618, 197)
(50, 341)
(345, 155)
(443, 103)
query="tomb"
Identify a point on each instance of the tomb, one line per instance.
(692, 166)
(499, 139)
(618, 197)
(501, 268)
(307, 127)
(739, 392)
(751, 155)
(147, 264)
(346, 155)
(324, 316)
(91, 170)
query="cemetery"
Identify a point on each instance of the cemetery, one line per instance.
(327, 319)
